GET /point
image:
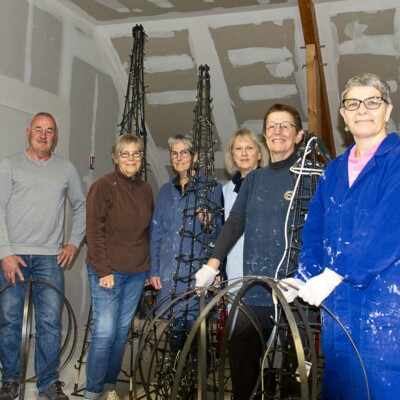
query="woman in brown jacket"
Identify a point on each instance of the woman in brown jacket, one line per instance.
(119, 209)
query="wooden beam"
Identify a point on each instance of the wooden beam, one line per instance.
(313, 89)
(317, 99)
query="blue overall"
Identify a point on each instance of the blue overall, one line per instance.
(355, 232)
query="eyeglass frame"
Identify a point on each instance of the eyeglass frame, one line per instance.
(135, 154)
(276, 124)
(174, 154)
(381, 99)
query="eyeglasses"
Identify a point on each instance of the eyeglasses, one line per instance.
(284, 126)
(183, 153)
(371, 103)
(134, 154)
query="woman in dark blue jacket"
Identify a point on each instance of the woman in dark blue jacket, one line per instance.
(351, 251)
(259, 212)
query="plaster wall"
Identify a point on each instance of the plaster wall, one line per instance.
(51, 61)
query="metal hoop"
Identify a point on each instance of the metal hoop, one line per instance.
(26, 329)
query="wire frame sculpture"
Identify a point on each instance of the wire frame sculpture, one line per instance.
(290, 359)
(203, 188)
(175, 315)
(133, 118)
(313, 158)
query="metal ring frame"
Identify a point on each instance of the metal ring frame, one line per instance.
(26, 329)
(164, 377)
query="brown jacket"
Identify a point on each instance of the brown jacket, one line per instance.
(118, 216)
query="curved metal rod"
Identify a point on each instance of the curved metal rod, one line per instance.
(314, 361)
(267, 283)
(354, 346)
(26, 329)
(174, 378)
(183, 300)
(190, 296)
(350, 339)
(84, 349)
(247, 284)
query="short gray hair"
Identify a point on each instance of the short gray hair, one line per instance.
(186, 139)
(47, 115)
(367, 79)
(248, 133)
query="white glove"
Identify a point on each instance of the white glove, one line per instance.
(205, 276)
(318, 288)
(290, 288)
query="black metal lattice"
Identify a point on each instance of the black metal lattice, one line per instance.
(133, 118)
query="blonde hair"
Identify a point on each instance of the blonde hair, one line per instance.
(247, 133)
(124, 140)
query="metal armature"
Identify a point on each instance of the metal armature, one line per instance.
(133, 118)
(202, 186)
(27, 334)
(174, 315)
(313, 158)
(290, 367)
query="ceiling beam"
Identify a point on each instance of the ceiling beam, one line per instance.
(319, 117)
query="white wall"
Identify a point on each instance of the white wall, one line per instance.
(51, 61)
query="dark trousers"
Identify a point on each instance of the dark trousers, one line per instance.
(246, 347)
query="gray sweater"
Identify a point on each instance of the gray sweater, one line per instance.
(32, 200)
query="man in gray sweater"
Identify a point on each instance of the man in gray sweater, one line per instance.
(34, 185)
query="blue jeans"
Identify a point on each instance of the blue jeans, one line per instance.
(113, 310)
(47, 307)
